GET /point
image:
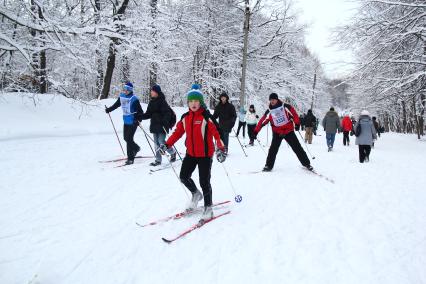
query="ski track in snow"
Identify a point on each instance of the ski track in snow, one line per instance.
(68, 219)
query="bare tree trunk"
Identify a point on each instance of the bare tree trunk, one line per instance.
(404, 118)
(245, 47)
(98, 55)
(153, 71)
(109, 71)
(112, 53)
(422, 113)
(125, 68)
(415, 117)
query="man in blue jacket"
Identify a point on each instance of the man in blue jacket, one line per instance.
(132, 115)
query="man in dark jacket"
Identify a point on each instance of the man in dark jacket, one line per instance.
(225, 111)
(310, 124)
(160, 114)
(331, 124)
(132, 114)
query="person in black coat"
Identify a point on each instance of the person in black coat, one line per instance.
(310, 125)
(160, 114)
(227, 115)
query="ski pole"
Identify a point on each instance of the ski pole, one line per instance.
(306, 145)
(240, 142)
(177, 176)
(113, 126)
(260, 144)
(267, 136)
(173, 146)
(146, 137)
(238, 198)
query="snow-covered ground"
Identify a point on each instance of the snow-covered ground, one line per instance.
(66, 218)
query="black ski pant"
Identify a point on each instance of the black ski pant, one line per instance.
(243, 125)
(345, 137)
(294, 144)
(364, 152)
(250, 131)
(129, 134)
(204, 172)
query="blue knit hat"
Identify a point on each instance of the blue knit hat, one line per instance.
(195, 94)
(128, 87)
(156, 88)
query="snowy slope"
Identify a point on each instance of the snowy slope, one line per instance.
(66, 218)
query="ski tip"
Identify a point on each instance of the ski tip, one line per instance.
(166, 240)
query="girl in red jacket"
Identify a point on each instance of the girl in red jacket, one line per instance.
(281, 116)
(200, 129)
(346, 127)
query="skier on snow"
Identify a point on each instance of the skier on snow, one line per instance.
(200, 129)
(282, 116)
(160, 114)
(251, 119)
(225, 112)
(346, 128)
(242, 121)
(310, 124)
(365, 133)
(132, 115)
(331, 124)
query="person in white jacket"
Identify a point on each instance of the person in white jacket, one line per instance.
(251, 120)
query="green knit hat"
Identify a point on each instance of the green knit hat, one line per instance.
(195, 94)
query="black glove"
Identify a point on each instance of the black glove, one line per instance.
(163, 149)
(297, 127)
(257, 116)
(107, 110)
(220, 155)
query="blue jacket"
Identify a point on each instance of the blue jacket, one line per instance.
(132, 110)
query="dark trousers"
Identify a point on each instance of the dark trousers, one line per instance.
(345, 137)
(294, 144)
(128, 134)
(243, 125)
(225, 138)
(364, 152)
(250, 131)
(204, 173)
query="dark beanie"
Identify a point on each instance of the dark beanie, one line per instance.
(273, 96)
(156, 88)
(251, 106)
(332, 109)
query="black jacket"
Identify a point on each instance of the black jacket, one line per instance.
(159, 112)
(310, 120)
(226, 114)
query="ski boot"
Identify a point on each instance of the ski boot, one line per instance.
(155, 163)
(207, 214)
(196, 197)
(129, 162)
(266, 169)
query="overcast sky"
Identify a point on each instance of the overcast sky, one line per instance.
(322, 16)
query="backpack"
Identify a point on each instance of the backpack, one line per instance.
(358, 130)
(172, 120)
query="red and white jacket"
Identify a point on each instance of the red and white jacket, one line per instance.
(200, 131)
(281, 117)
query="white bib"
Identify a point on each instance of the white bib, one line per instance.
(125, 105)
(279, 117)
